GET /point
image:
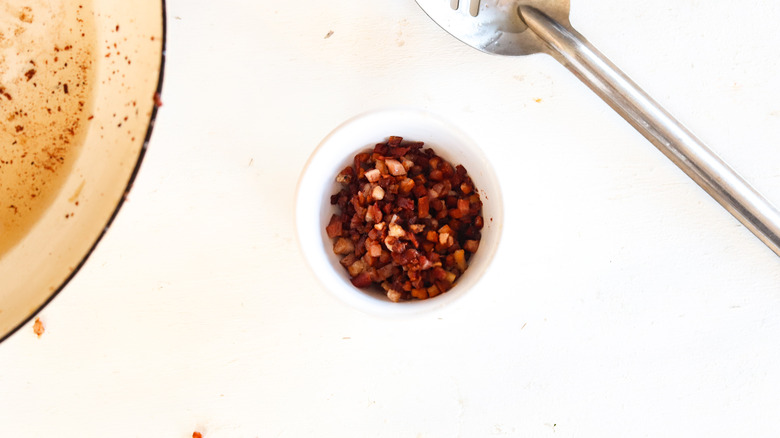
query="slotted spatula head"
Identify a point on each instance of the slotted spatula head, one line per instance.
(494, 26)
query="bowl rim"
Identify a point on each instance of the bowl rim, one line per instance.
(128, 187)
(376, 306)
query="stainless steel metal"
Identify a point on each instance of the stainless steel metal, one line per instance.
(507, 27)
(493, 26)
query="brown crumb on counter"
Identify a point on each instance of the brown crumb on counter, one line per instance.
(38, 327)
(329, 34)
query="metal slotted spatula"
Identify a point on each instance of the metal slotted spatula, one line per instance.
(524, 27)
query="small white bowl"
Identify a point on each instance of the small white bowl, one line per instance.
(336, 151)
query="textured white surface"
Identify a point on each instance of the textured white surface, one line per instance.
(622, 301)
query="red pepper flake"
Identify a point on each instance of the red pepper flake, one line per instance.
(197, 435)
(157, 100)
(38, 328)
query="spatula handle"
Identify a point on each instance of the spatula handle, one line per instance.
(657, 125)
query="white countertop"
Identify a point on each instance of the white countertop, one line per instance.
(623, 301)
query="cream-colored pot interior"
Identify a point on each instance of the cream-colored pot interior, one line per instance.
(78, 87)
